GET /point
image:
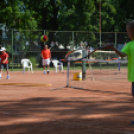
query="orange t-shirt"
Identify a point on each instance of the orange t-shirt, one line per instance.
(46, 53)
(3, 57)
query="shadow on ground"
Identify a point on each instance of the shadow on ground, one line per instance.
(76, 115)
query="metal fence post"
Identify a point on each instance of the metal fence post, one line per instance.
(73, 44)
(116, 39)
(100, 45)
(12, 50)
(83, 65)
(44, 34)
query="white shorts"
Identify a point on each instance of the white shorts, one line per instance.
(45, 61)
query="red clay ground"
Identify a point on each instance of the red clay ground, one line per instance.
(104, 107)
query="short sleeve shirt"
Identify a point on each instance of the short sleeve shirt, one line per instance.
(129, 51)
(3, 57)
(46, 53)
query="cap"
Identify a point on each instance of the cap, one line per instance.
(3, 49)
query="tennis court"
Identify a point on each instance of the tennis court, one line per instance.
(29, 106)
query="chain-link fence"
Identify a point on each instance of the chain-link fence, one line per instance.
(27, 43)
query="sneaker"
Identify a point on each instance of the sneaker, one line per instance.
(8, 77)
(47, 72)
(0, 78)
(44, 72)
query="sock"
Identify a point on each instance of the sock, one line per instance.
(0, 75)
(44, 71)
(47, 70)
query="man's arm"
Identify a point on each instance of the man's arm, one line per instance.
(120, 53)
(5, 60)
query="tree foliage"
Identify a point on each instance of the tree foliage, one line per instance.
(67, 15)
(13, 14)
(124, 13)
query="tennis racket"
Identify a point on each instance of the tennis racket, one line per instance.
(76, 55)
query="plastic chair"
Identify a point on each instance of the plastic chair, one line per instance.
(27, 64)
(56, 66)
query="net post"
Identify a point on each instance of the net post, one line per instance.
(119, 64)
(83, 65)
(68, 67)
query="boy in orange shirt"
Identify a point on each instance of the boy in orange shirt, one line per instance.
(46, 56)
(4, 61)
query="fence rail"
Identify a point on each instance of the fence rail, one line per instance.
(27, 43)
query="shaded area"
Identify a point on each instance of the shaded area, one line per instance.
(100, 91)
(66, 115)
(106, 107)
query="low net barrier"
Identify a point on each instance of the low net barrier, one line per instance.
(101, 66)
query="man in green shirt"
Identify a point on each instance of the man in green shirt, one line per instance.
(128, 51)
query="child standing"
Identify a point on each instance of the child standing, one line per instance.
(46, 57)
(128, 51)
(4, 61)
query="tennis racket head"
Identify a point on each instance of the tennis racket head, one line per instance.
(79, 54)
(76, 55)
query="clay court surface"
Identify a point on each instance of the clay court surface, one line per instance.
(29, 107)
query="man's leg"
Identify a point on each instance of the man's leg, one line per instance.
(48, 62)
(133, 89)
(47, 68)
(0, 73)
(6, 66)
(44, 68)
(8, 77)
(44, 65)
(1, 67)
(132, 122)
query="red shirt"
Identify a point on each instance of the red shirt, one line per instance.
(46, 53)
(3, 57)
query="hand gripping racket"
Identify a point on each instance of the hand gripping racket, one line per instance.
(76, 55)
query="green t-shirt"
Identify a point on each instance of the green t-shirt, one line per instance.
(129, 51)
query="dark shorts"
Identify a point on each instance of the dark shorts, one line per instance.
(132, 87)
(2, 66)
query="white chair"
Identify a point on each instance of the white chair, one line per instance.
(27, 64)
(56, 66)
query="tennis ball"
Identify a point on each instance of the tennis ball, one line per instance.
(44, 38)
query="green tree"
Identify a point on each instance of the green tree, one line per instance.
(124, 13)
(108, 12)
(13, 14)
